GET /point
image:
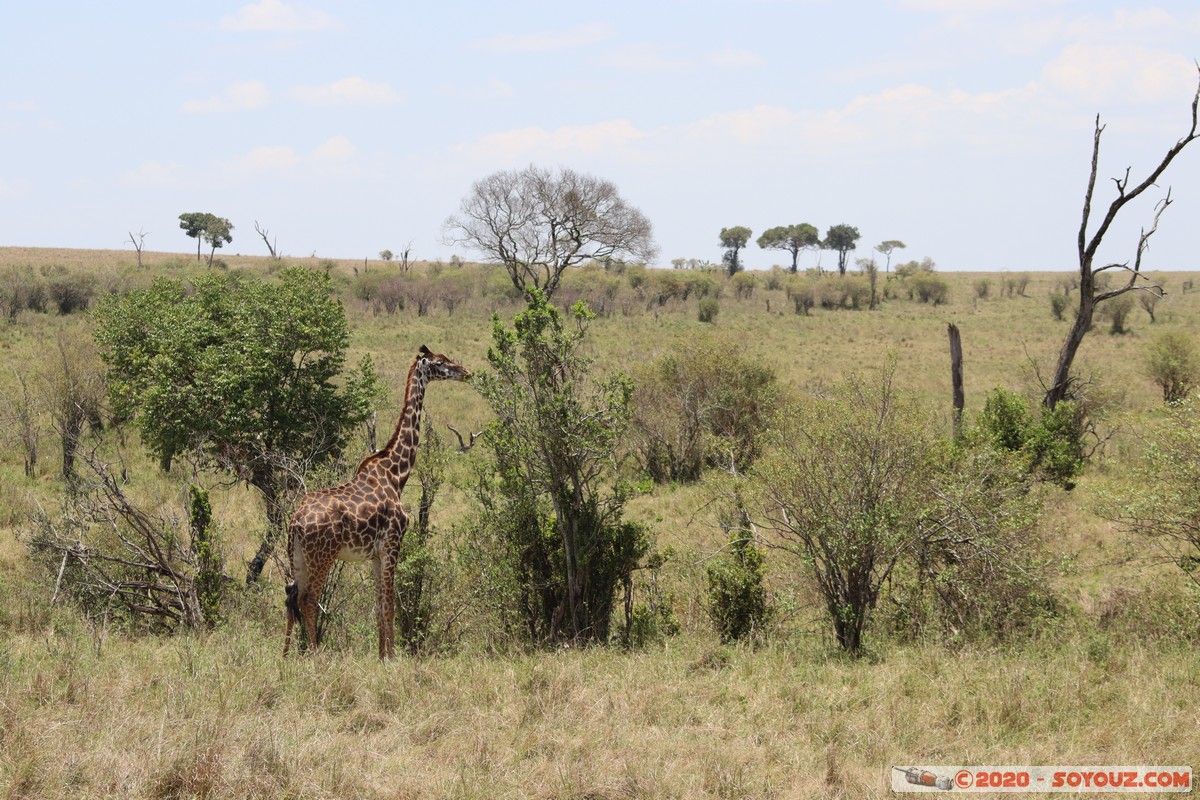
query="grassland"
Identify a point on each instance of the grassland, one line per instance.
(92, 710)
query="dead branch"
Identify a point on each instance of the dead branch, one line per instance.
(264, 234)
(462, 446)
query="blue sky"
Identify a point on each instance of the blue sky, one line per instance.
(962, 127)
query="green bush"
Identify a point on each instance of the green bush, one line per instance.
(550, 495)
(708, 309)
(1173, 362)
(1051, 446)
(736, 596)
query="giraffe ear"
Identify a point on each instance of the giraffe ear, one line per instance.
(424, 351)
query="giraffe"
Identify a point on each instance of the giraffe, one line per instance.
(362, 519)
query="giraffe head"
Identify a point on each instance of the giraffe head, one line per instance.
(437, 367)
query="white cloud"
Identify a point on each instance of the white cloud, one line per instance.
(353, 91)
(275, 15)
(1106, 74)
(522, 144)
(731, 57)
(335, 150)
(237, 96)
(270, 158)
(545, 41)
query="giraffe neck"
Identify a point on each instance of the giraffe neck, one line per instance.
(399, 455)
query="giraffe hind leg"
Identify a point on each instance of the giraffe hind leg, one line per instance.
(293, 613)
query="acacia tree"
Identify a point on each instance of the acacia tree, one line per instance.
(193, 224)
(1090, 293)
(242, 375)
(538, 222)
(887, 248)
(792, 238)
(218, 231)
(843, 239)
(733, 240)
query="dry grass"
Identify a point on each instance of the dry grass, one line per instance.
(92, 712)
(223, 716)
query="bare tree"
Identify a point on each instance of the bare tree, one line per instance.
(406, 258)
(538, 222)
(265, 234)
(110, 555)
(138, 240)
(1090, 293)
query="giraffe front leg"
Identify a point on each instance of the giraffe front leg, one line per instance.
(386, 605)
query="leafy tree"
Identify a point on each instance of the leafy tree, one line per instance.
(210, 228)
(887, 247)
(550, 494)
(733, 240)
(242, 375)
(386, 255)
(792, 238)
(217, 232)
(537, 223)
(843, 239)
(194, 224)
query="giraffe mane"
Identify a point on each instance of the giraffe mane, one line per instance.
(391, 442)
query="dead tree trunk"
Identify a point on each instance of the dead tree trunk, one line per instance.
(1061, 383)
(956, 377)
(270, 245)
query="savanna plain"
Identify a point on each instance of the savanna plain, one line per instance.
(101, 705)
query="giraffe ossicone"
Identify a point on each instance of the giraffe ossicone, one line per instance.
(363, 519)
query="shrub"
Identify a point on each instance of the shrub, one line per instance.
(703, 403)
(562, 548)
(1058, 304)
(983, 287)
(736, 596)
(803, 296)
(776, 278)
(1174, 364)
(1051, 447)
(1117, 312)
(744, 284)
(708, 309)
(929, 287)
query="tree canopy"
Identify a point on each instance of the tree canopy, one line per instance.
(538, 222)
(203, 226)
(843, 239)
(887, 248)
(733, 240)
(242, 375)
(792, 238)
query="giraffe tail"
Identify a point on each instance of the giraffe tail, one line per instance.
(293, 602)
